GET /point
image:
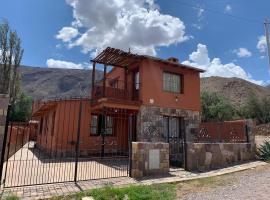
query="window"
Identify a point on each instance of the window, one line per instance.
(100, 123)
(137, 80)
(172, 82)
(171, 127)
(109, 126)
(94, 125)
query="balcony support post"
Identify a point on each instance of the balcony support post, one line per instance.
(93, 80)
(104, 79)
(126, 87)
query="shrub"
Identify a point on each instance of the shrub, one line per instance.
(215, 107)
(21, 110)
(258, 108)
(264, 151)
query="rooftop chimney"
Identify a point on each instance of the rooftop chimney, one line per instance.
(173, 59)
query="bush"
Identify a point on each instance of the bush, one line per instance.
(22, 109)
(258, 108)
(215, 107)
(264, 151)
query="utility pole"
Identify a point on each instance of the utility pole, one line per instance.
(266, 23)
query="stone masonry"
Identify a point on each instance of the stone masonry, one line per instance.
(149, 159)
(150, 123)
(206, 156)
(4, 100)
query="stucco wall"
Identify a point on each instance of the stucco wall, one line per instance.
(151, 85)
(149, 158)
(62, 141)
(151, 78)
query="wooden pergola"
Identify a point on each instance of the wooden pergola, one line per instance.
(116, 58)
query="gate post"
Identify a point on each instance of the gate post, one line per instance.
(4, 119)
(78, 143)
(130, 128)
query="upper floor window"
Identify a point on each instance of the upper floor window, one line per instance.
(137, 80)
(172, 82)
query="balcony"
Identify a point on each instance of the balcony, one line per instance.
(116, 89)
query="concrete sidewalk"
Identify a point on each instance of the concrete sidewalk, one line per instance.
(176, 175)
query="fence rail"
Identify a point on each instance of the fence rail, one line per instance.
(67, 142)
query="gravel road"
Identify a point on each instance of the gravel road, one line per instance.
(245, 185)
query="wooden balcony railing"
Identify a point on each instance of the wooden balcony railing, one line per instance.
(116, 89)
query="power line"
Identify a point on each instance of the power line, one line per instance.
(217, 12)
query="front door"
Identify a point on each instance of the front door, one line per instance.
(174, 134)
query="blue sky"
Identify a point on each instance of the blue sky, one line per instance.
(194, 31)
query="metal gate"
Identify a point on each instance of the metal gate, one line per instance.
(33, 156)
(174, 130)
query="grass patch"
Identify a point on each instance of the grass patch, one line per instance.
(11, 197)
(141, 192)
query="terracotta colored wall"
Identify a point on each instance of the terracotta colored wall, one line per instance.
(151, 85)
(151, 78)
(18, 136)
(119, 73)
(228, 131)
(66, 126)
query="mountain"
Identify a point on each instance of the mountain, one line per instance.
(235, 90)
(49, 83)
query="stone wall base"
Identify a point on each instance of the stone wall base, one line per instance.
(207, 156)
(149, 159)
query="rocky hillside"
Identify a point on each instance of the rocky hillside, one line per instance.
(236, 90)
(49, 83)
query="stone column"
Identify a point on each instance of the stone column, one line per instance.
(4, 100)
(149, 158)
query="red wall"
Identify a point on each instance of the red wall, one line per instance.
(66, 128)
(228, 131)
(151, 85)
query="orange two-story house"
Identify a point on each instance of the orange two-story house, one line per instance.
(140, 98)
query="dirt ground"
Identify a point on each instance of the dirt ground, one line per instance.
(249, 184)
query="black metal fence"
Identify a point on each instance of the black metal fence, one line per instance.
(67, 142)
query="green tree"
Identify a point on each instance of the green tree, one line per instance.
(11, 54)
(258, 108)
(215, 107)
(22, 108)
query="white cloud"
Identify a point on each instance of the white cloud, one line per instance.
(215, 67)
(197, 26)
(261, 45)
(242, 52)
(67, 33)
(262, 57)
(135, 24)
(200, 13)
(228, 8)
(51, 63)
